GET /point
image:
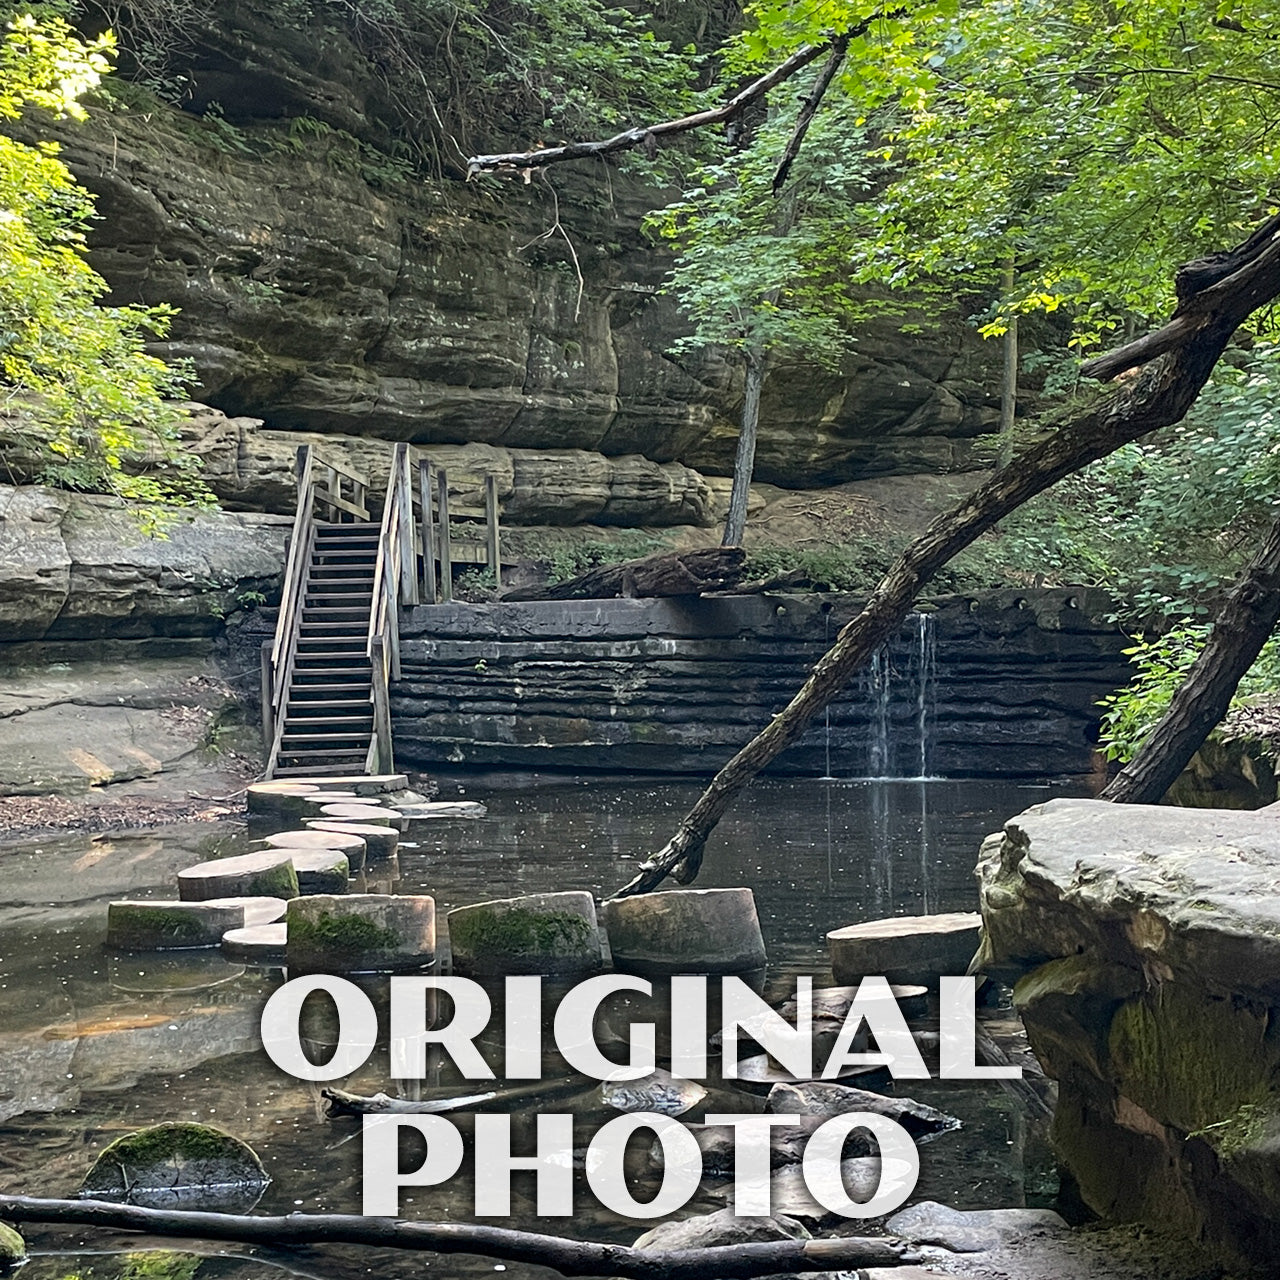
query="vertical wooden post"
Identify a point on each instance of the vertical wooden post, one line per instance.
(446, 560)
(1009, 374)
(491, 519)
(408, 542)
(429, 592)
(268, 698)
(382, 707)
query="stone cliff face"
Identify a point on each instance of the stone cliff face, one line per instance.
(1144, 942)
(322, 292)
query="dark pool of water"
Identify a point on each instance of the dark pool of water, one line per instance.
(93, 1045)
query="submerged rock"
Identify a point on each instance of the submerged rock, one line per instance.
(256, 944)
(178, 1165)
(379, 842)
(661, 1092)
(824, 1098)
(151, 924)
(13, 1248)
(969, 1231)
(706, 1230)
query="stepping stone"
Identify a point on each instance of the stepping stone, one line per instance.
(685, 931)
(380, 842)
(554, 934)
(905, 949)
(279, 799)
(972, 1230)
(361, 933)
(321, 870)
(269, 873)
(164, 925)
(256, 944)
(351, 844)
(373, 814)
(362, 784)
(832, 1003)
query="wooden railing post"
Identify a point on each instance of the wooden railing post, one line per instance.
(491, 521)
(381, 706)
(446, 564)
(268, 698)
(429, 591)
(404, 496)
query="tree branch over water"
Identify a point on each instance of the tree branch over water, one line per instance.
(568, 1257)
(1166, 372)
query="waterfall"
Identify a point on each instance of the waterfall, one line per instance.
(900, 705)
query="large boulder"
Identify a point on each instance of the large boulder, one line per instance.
(1144, 942)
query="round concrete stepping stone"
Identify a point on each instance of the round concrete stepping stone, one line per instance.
(905, 949)
(554, 934)
(685, 931)
(361, 933)
(350, 843)
(380, 842)
(833, 1002)
(266, 874)
(256, 944)
(375, 815)
(158, 925)
(363, 784)
(279, 799)
(321, 870)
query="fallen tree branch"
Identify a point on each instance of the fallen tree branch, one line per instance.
(519, 161)
(1231, 286)
(568, 1257)
(1242, 627)
(673, 573)
(809, 109)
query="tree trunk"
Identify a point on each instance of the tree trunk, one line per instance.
(674, 573)
(1214, 297)
(568, 1257)
(1009, 376)
(1242, 627)
(744, 460)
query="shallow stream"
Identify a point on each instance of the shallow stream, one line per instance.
(93, 1045)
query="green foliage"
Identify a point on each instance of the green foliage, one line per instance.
(567, 557)
(87, 391)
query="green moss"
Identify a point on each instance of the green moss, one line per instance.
(160, 1264)
(164, 922)
(1192, 1060)
(276, 882)
(518, 931)
(12, 1246)
(176, 1138)
(340, 937)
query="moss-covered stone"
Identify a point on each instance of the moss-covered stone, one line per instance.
(551, 933)
(342, 937)
(179, 1163)
(276, 882)
(360, 932)
(13, 1248)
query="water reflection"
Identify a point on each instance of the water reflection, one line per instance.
(92, 1046)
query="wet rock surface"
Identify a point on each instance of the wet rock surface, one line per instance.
(1145, 944)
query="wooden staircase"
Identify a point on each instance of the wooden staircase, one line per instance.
(326, 707)
(328, 716)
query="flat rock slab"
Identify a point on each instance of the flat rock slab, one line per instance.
(361, 933)
(969, 1231)
(905, 949)
(443, 809)
(158, 925)
(380, 842)
(1196, 891)
(832, 1003)
(554, 934)
(685, 931)
(279, 799)
(361, 784)
(256, 944)
(820, 1098)
(267, 874)
(706, 1230)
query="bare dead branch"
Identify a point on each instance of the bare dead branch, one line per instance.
(809, 109)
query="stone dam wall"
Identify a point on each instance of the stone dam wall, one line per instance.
(993, 684)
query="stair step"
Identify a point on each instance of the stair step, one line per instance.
(348, 644)
(353, 625)
(327, 704)
(349, 599)
(319, 673)
(330, 720)
(303, 740)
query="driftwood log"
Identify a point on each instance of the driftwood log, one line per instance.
(674, 573)
(568, 1257)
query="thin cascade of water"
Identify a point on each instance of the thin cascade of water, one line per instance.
(898, 747)
(879, 680)
(926, 676)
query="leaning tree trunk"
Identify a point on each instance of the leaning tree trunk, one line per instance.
(1242, 627)
(1215, 296)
